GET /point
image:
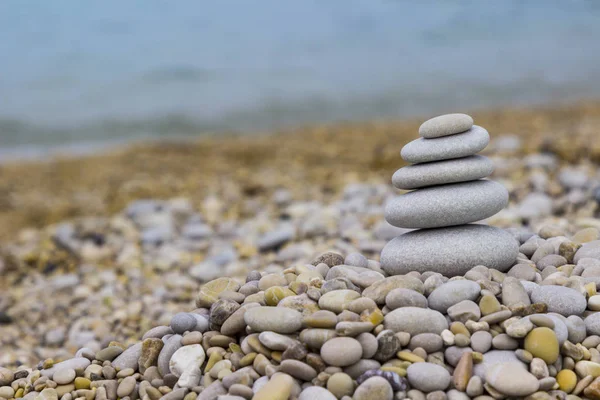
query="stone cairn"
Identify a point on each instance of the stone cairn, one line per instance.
(449, 195)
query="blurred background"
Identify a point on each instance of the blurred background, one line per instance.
(78, 76)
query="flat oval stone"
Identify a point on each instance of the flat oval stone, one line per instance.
(415, 320)
(444, 148)
(428, 377)
(560, 299)
(275, 319)
(450, 251)
(447, 205)
(341, 351)
(443, 172)
(444, 125)
(511, 381)
(451, 293)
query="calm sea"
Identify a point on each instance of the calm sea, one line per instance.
(75, 75)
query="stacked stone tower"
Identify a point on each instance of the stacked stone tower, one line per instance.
(448, 195)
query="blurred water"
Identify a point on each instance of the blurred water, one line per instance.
(79, 73)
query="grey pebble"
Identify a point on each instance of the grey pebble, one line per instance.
(513, 293)
(455, 146)
(182, 322)
(170, 347)
(428, 377)
(447, 205)
(401, 297)
(430, 342)
(158, 332)
(444, 125)
(560, 299)
(494, 357)
(481, 341)
(415, 320)
(73, 363)
(443, 172)
(450, 251)
(451, 293)
(129, 358)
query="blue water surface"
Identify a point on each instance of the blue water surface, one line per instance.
(74, 73)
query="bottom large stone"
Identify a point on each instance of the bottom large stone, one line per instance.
(450, 251)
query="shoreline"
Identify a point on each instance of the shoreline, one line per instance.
(37, 193)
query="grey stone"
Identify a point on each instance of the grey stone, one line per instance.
(415, 320)
(445, 125)
(511, 381)
(453, 354)
(428, 377)
(560, 299)
(513, 293)
(576, 328)
(401, 297)
(272, 240)
(451, 293)
(275, 319)
(450, 251)
(374, 388)
(182, 322)
(592, 324)
(430, 342)
(447, 205)
(455, 146)
(128, 358)
(588, 250)
(356, 260)
(494, 357)
(72, 363)
(443, 172)
(464, 311)
(171, 346)
(316, 393)
(535, 205)
(481, 341)
(522, 271)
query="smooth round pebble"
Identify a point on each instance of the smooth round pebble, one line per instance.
(442, 172)
(511, 381)
(450, 251)
(428, 377)
(443, 148)
(415, 320)
(562, 300)
(444, 125)
(375, 388)
(451, 293)
(275, 319)
(341, 351)
(447, 205)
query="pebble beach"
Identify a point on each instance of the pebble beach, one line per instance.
(249, 268)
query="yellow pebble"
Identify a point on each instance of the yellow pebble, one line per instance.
(373, 316)
(248, 359)
(82, 383)
(590, 288)
(407, 356)
(276, 355)
(567, 380)
(542, 343)
(458, 327)
(214, 358)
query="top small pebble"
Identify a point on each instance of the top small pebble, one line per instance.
(444, 125)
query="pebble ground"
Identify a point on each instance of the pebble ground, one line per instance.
(273, 290)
